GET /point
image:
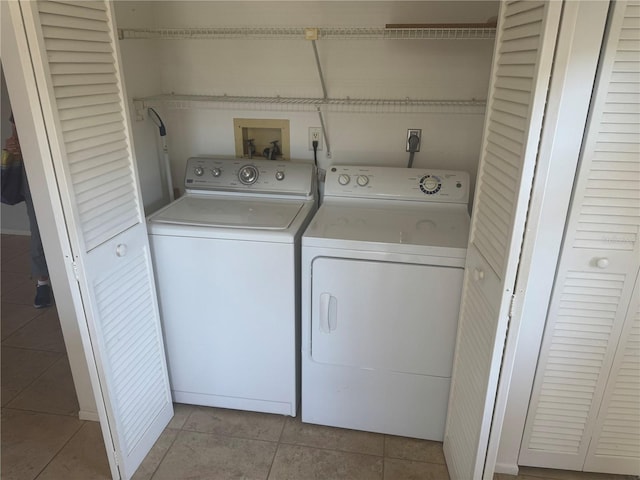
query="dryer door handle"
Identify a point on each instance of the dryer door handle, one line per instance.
(328, 312)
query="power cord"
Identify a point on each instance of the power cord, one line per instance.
(414, 143)
(314, 144)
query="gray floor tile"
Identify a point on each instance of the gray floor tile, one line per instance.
(155, 456)
(17, 287)
(52, 392)
(44, 333)
(15, 316)
(21, 367)
(310, 435)
(30, 440)
(396, 469)
(23, 294)
(295, 462)
(12, 245)
(413, 449)
(19, 263)
(181, 413)
(82, 458)
(202, 456)
(235, 423)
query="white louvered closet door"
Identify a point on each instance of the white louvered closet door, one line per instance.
(523, 57)
(76, 64)
(582, 359)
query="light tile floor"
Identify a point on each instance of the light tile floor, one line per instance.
(43, 439)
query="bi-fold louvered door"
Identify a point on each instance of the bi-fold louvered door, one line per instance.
(523, 57)
(585, 407)
(75, 61)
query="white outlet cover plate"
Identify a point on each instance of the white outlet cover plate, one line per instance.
(315, 133)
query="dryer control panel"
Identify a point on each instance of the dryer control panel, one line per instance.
(220, 174)
(397, 183)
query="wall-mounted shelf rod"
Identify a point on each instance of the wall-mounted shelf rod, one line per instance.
(345, 105)
(203, 33)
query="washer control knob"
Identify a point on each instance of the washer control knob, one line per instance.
(248, 175)
(363, 180)
(199, 171)
(344, 179)
(216, 172)
(279, 175)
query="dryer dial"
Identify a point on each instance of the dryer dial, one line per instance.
(199, 171)
(216, 172)
(248, 175)
(430, 184)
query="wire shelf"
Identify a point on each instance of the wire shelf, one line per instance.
(344, 33)
(297, 104)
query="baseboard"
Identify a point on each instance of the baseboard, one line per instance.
(507, 468)
(10, 231)
(91, 416)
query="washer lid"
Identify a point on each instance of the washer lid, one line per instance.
(425, 229)
(230, 212)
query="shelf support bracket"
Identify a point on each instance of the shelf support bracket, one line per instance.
(312, 34)
(324, 133)
(324, 87)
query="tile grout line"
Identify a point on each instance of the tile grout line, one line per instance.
(82, 423)
(36, 378)
(155, 470)
(279, 442)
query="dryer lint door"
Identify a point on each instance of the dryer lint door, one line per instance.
(384, 316)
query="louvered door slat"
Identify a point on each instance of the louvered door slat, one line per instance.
(87, 107)
(79, 59)
(77, 135)
(51, 32)
(89, 110)
(73, 79)
(61, 20)
(68, 45)
(79, 9)
(84, 91)
(92, 4)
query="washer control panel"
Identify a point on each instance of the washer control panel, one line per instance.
(398, 183)
(214, 174)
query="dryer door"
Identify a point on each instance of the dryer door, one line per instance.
(385, 316)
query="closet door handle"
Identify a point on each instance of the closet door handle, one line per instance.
(478, 274)
(328, 313)
(602, 262)
(121, 250)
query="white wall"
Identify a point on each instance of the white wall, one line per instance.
(13, 218)
(425, 69)
(141, 67)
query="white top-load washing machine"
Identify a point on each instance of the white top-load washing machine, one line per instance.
(382, 268)
(227, 266)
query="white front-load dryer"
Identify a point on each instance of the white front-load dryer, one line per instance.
(227, 264)
(382, 269)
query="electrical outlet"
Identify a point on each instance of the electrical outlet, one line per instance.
(315, 135)
(417, 132)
